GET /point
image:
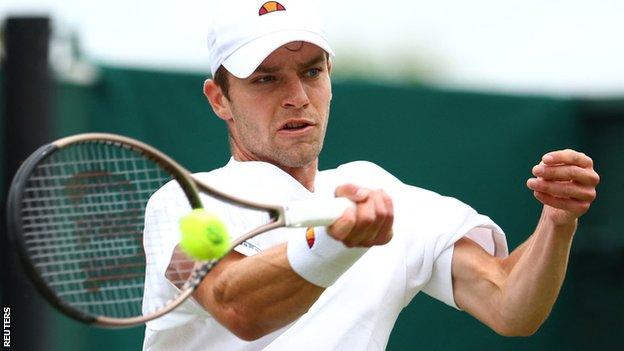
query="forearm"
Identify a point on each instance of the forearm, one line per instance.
(536, 271)
(256, 295)
(253, 296)
(515, 295)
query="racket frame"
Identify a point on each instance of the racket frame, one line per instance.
(191, 188)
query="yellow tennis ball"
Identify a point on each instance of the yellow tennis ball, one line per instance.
(204, 235)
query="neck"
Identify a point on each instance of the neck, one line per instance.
(304, 174)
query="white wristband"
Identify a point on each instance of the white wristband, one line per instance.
(319, 258)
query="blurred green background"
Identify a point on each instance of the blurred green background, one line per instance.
(476, 147)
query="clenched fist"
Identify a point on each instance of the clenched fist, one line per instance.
(369, 223)
(565, 182)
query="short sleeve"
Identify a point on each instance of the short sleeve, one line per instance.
(440, 285)
(431, 225)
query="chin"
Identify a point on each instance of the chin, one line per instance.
(296, 158)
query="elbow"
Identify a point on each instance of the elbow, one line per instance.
(243, 325)
(510, 329)
(516, 332)
(248, 335)
(235, 314)
(248, 331)
(518, 324)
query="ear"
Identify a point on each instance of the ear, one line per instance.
(219, 103)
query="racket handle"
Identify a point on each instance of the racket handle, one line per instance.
(315, 213)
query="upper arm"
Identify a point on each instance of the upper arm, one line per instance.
(478, 278)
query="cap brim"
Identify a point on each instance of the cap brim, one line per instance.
(244, 61)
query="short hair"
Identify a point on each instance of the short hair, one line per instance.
(221, 79)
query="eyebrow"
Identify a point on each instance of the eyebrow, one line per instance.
(314, 61)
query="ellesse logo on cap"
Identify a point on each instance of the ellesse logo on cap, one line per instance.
(271, 6)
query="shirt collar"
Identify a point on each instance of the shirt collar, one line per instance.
(263, 179)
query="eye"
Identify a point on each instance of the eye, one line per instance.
(313, 72)
(264, 79)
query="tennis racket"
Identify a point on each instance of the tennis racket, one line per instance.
(76, 213)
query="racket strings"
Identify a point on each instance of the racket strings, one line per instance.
(83, 216)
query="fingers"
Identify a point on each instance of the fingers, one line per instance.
(565, 180)
(562, 189)
(569, 157)
(381, 228)
(370, 223)
(341, 228)
(344, 226)
(366, 222)
(385, 231)
(567, 173)
(352, 192)
(573, 206)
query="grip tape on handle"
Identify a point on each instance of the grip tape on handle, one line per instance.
(316, 213)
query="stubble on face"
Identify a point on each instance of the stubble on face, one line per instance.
(254, 133)
(251, 143)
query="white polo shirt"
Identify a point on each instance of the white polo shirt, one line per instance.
(358, 312)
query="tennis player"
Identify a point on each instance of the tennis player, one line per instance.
(342, 287)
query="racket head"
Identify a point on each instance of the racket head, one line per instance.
(76, 212)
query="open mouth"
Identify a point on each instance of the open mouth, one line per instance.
(295, 126)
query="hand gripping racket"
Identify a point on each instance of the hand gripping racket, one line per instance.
(76, 213)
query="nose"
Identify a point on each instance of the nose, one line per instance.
(295, 95)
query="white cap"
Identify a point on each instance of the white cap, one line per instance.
(245, 32)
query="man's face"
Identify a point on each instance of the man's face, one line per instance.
(279, 114)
